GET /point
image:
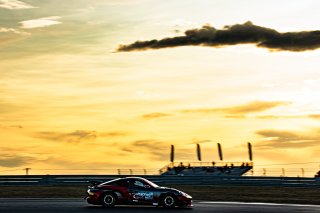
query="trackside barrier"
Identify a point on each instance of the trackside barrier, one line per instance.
(161, 180)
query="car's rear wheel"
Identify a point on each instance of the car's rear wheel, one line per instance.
(168, 201)
(108, 200)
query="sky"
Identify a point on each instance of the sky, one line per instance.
(107, 84)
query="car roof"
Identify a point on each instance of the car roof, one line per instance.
(134, 178)
(124, 178)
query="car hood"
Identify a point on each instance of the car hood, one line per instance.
(169, 189)
(175, 191)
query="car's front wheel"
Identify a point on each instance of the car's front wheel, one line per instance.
(169, 201)
(108, 200)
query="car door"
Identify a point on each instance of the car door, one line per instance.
(123, 187)
(141, 192)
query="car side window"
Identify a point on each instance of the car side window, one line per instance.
(138, 183)
(113, 183)
(123, 183)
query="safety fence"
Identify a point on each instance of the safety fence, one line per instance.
(166, 180)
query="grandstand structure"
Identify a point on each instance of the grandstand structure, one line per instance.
(207, 168)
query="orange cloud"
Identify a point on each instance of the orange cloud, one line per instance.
(252, 107)
(155, 115)
(315, 116)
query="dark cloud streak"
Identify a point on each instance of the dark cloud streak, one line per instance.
(72, 137)
(15, 160)
(113, 134)
(246, 33)
(156, 149)
(287, 139)
(78, 135)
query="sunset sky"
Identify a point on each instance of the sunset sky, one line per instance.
(73, 97)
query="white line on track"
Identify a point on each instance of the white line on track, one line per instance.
(261, 204)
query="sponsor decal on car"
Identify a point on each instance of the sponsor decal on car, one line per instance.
(143, 195)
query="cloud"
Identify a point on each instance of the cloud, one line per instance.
(11, 127)
(275, 116)
(287, 139)
(77, 136)
(72, 137)
(40, 22)
(6, 107)
(155, 115)
(157, 149)
(314, 116)
(14, 5)
(236, 116)
(12, 30)
(302, 116)
(113, 134)
(294, 116)
(246, 33)
(197, 141)
(87, 166)
(15, 160)
(9, 35)
(256, 106)
(116, 2)
(238, 111)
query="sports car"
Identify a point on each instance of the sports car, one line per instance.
(136, 190)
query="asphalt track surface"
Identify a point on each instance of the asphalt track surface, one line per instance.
(80, 206)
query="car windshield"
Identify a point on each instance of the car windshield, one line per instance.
(111, 182)
(151, 183)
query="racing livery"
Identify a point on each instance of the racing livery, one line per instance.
(136, 190)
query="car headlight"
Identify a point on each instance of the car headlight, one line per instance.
(185, 194)
(90, 192)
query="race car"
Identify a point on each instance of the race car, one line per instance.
(136, 190)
